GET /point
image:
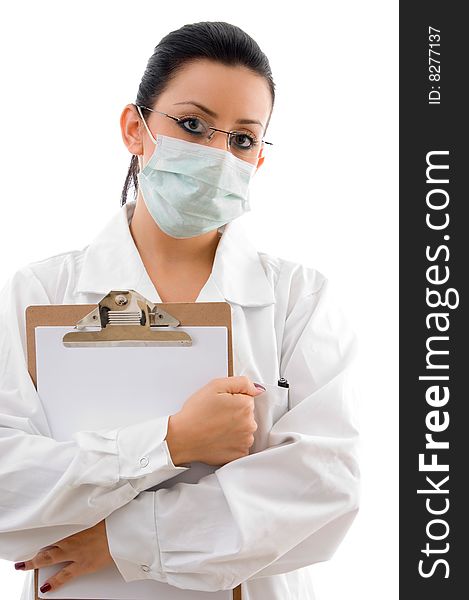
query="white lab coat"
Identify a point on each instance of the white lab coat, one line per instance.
(267, 516)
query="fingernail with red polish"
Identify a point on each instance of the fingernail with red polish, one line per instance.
(259, 386)
(19, 565)
(45, 588)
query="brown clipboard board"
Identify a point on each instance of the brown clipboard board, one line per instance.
(187, 313)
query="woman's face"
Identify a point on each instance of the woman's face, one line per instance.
(225, 97)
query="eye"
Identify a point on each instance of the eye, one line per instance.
(193, 125)
(243, 141)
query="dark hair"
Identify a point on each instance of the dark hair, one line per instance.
(216, 40)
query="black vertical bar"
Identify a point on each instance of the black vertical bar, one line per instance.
(433, 260)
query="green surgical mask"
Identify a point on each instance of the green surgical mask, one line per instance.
(190, 189)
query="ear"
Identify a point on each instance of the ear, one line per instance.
(260, 160)
(131, 129)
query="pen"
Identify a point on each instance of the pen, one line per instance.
(282, 382)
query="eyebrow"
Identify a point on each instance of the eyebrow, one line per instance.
(214, 114)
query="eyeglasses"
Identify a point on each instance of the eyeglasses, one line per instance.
(242, 144)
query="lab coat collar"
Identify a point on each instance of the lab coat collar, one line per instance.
(112, 261)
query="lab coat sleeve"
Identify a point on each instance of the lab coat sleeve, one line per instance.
(48, 489)
(273, 511)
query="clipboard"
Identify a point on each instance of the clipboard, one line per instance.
(124, 318)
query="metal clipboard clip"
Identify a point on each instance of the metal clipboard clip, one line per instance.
(126, 318)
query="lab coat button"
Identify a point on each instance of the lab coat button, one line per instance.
(144, 462)
(145, 568)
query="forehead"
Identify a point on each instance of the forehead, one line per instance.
(230, 91)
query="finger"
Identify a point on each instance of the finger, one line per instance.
(239, 384)
(62, 577)
(44, 558)
(242, 400)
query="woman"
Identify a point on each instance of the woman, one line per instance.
(283, 499)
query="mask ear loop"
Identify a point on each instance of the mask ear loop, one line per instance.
(140, 163)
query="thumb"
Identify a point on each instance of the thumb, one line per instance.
(241, 385)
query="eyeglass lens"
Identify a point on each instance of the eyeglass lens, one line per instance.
(241, 143)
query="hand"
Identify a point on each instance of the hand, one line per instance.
(216, 424)
(87, 551)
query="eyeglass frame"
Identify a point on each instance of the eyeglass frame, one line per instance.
(177, 119)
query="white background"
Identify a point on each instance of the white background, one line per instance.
(326, 197)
